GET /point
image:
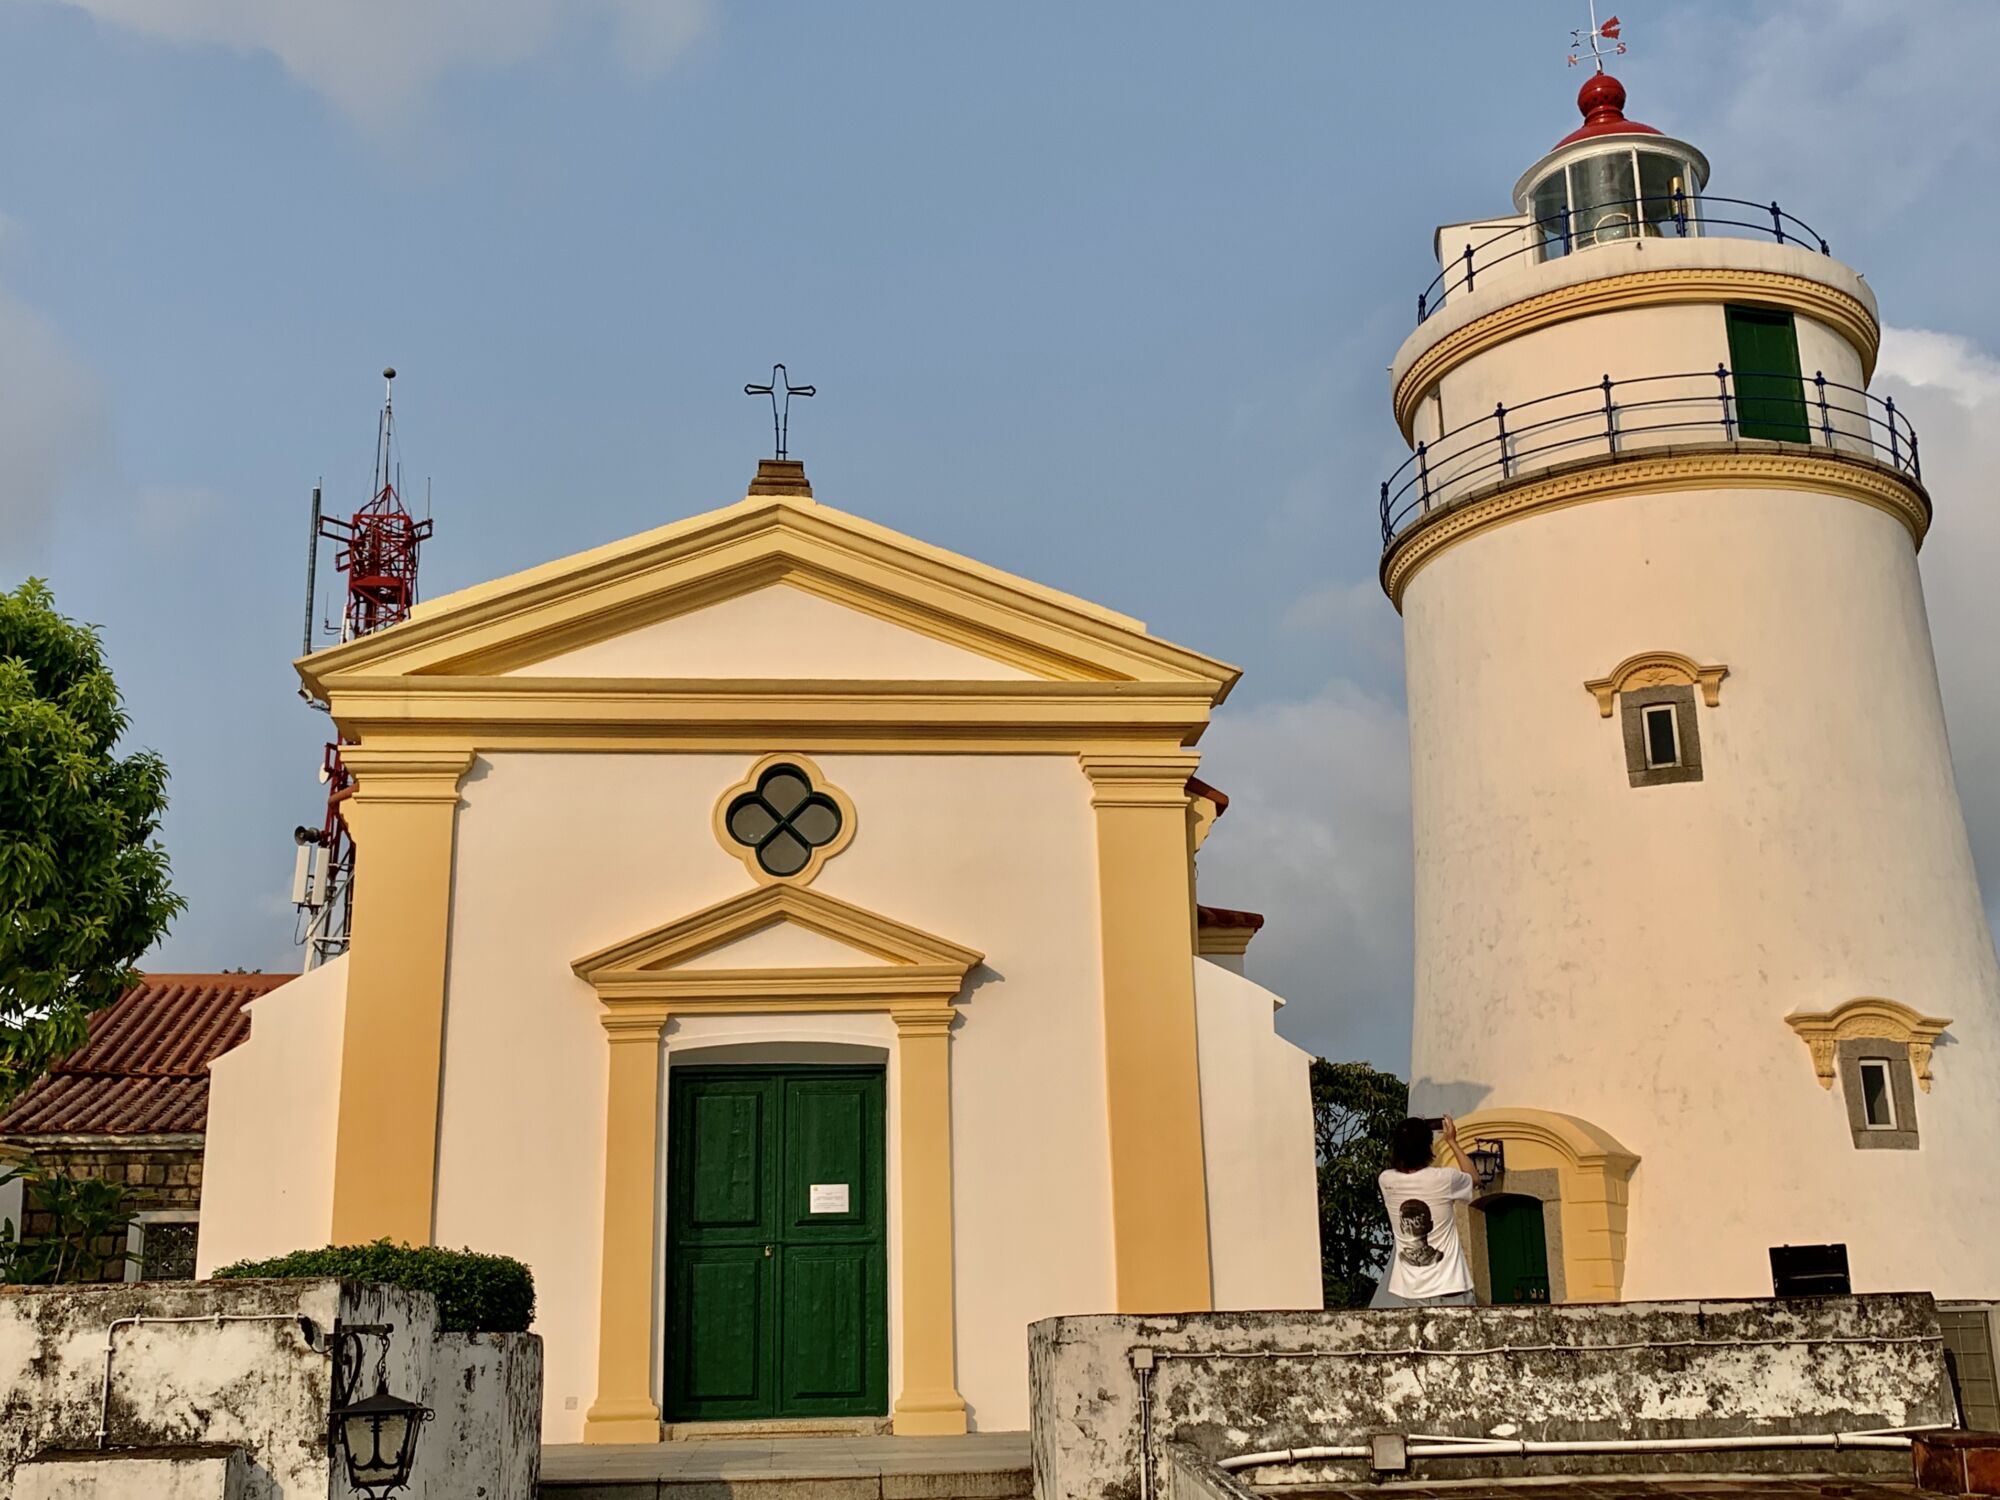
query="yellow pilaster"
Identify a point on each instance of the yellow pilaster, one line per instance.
(385, 1144)
(1159, 1197)
(624, 1411)
(929, 1404)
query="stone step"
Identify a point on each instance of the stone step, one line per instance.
(981, 1466)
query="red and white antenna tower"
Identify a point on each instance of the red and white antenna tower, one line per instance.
(379, 546)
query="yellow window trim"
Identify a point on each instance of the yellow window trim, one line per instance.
(818, 855)
(1595, 1173)
(1867, 1016)
(1657, 669)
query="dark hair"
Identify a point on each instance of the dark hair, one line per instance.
(1412, 1210)
(1410, 1146)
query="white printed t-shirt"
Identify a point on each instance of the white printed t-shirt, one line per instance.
(1427, 1261)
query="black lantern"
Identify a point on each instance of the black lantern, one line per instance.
(1489, 1161)
(378, 1441)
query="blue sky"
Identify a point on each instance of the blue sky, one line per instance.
(1057, 271)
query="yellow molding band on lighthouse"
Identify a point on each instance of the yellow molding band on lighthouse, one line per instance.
(1847, 315)
(1721, 467)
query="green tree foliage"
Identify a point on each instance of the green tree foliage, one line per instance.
(83, 884)
(89, 1217)
(475, 1293)
(1355, 1109)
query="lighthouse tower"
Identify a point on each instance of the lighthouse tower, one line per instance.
(1699, 945)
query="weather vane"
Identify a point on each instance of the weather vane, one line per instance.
(1595, 38)
(781, 415)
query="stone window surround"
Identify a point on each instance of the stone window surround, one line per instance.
(1848, 1057)
(1638, 768)
(1594, 1173)
(1868, 1016)
(1543, 1183)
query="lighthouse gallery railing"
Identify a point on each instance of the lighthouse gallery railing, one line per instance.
(1677, 214)
(1645, 412)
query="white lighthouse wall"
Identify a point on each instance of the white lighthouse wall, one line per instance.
(1628, 955)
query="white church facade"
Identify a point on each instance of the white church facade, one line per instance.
(1699, 942)
(780, 934)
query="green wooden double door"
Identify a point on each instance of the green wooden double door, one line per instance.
(777, 1247)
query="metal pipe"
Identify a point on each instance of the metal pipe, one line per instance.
(111, 1339)
(1142, 1370)
(1410, 1350)
(1523, 1447)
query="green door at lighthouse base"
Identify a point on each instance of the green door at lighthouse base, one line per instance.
(777, 1252)
(1517, 1250)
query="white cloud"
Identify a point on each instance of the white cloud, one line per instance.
(1945, 362)
(373, 58)
(1951, 388)
(1317, 838)
(52, 426)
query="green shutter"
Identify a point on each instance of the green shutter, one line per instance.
(1764, 373)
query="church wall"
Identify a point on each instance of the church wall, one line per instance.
(1628, 954)
(267, 1184)
(1257, 1149)
(559, 854)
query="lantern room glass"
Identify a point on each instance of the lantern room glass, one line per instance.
(1615, 194)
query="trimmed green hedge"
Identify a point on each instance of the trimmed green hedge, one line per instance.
(475, 1293)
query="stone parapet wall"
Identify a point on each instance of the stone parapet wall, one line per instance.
(196, 1370)
(1227, 1384)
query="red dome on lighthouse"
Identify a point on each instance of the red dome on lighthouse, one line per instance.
(1602, 102)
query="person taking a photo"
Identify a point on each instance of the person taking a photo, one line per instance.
(1427, 1265)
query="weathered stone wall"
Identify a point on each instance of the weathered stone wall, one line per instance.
(1233, 1383)
(248, 1366)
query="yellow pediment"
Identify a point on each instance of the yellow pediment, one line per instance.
(558, 613)
(780, 945)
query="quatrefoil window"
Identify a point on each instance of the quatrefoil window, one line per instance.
(785, 820)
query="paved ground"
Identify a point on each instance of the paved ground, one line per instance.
(979, 1466)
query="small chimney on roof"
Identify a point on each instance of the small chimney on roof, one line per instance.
(781, 476)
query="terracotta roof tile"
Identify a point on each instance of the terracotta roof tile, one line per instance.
(1224, 916)
(144, 1070)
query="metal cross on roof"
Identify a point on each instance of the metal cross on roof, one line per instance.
(1595, 38)
(781, 415)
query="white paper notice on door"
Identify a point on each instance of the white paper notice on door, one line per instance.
(827, 1198)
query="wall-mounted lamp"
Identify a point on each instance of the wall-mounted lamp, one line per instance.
(375, 1436)
(1489, 1162)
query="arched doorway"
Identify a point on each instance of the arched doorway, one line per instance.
(1517, 1249)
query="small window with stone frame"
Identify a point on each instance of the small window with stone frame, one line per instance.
(1662, 739)
(1879, 1088)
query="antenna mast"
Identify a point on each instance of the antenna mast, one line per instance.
(379, 547)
